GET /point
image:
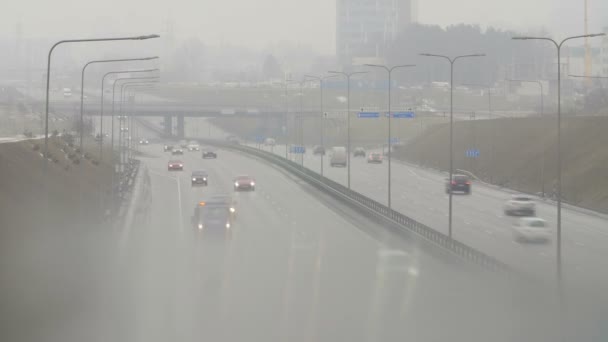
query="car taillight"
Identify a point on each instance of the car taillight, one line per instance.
(468, 182)
(453, 182)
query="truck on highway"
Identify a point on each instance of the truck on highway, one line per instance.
(338, 156)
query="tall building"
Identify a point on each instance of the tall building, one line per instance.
(365, 28)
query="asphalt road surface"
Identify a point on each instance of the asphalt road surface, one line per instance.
(479, 220)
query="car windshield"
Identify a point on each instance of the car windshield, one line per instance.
(199, 174)
(213, 212)
(459, 178)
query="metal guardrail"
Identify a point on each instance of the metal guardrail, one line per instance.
(380, 210)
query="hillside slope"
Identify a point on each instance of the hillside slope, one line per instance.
(512, 152)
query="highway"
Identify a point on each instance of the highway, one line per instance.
(479, 220)
(299, 267)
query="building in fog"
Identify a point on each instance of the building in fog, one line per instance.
(365, 28)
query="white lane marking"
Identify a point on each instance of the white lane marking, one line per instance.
(413, 173)
(179, 203)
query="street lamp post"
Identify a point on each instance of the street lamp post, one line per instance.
(103, 79)
(542, 111)
(134, 81)
(390, 81)
(348, 77)
(48, 75)
(558, 46)
(84, 68)
(129, 89)
(321, 79)
(287, 82)
(452, 61)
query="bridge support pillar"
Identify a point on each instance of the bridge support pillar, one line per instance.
(180, 127)
(168, 125)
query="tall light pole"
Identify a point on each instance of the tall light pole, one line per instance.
(48, 75)
(301, 83)
(348, 77)
(133, 81)
(103, 79)
(321, 80)
(129, 88)
(84, 68)
(287, 82)
(542, 111)
(390, 81)
(558, 47)
(452, 61)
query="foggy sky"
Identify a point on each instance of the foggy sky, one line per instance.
(256, 23)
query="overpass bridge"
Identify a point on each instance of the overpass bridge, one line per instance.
(171, 111)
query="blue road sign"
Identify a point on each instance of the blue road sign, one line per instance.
(394, 140)
(404, 115)
(259, 139)
(472, 153)
(297, 149)
(368, 115)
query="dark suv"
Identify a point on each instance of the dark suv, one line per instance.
(359, 152)
(318, 150)
(460, 183)
(200, 178)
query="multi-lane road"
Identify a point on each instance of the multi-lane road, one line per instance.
(479, 220)
(301, 267)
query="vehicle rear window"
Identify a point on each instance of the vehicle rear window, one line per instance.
(216, 211)
(537, 224)
(461, 178)
(522, 199)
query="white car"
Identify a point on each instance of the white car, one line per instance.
(194, 148)
(520, 205)
(531, 229)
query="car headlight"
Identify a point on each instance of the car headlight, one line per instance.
(252, 183)
(181, 165)
(194, 179)
(200, 226)
(227, 225)
(205, 179)
(236, 183)
(232, 210)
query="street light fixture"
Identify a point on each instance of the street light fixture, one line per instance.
(558, 46)
(48, 74)
(286, 84)
(321, 79)
(128, 91)
(452, 61)
(84, 68)
(390, 157)
(103, 79)
(542, 111)
(116, 82)
(348, 77)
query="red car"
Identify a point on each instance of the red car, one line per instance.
(244, 183)
(175, 165)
